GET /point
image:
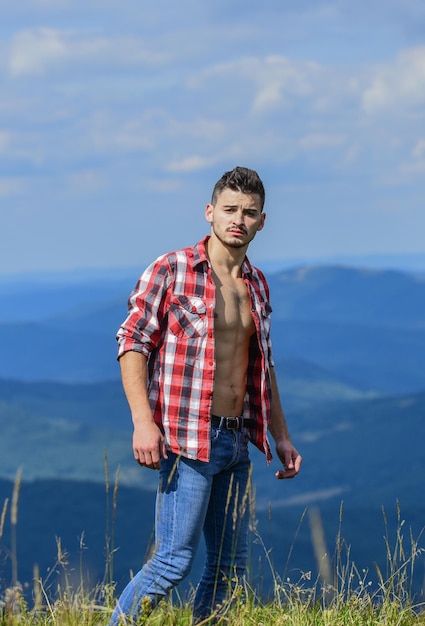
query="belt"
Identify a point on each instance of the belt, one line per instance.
(231, 423)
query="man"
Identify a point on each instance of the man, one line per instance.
(198, 374)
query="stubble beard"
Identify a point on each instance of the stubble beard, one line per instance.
(235, 244)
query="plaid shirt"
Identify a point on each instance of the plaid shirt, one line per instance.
(171, 321)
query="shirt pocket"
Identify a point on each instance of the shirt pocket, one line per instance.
(187, 316)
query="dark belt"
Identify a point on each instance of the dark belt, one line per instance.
(231, 423)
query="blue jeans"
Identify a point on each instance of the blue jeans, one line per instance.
(194, 498)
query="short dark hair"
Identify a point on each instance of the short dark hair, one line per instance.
(240, 179)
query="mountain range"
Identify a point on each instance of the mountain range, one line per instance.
(364, 328)
(349, 347)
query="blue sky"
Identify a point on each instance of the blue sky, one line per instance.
(116, 119)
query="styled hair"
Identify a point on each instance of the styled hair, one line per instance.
(240, 179)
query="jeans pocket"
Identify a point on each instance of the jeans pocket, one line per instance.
(215, 433)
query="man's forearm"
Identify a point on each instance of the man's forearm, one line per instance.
(134, 373)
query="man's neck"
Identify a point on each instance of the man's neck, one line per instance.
(225, 259)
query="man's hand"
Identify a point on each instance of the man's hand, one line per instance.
(148, 445)
(148, 440)
(290, 457)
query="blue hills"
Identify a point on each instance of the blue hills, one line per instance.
(349, 346)
(364, 327)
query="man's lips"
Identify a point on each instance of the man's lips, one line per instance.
(236, 231)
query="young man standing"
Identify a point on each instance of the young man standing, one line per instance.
(198, 374)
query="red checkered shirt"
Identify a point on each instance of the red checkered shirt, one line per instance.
(171, 321)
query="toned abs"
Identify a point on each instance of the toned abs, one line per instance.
(233, 327)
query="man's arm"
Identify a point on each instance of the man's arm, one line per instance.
(148, 441)
(287, 453)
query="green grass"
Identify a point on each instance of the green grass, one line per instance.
(342, 595)
(293, 606)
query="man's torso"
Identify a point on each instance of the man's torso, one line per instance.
(233, 328)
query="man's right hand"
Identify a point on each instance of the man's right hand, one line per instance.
(149, 445)
(148, 440)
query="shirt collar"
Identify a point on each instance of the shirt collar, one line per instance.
(200, 252)
(200, 256)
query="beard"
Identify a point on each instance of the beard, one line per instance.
(230, 241)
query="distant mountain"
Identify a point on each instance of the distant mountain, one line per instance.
(349, 446)
(33, 301)
(366, 329)
(362, 297)
(67, 427)
(372, 358)
(365, 452)
(349, 347)
(81, 516)
(37, 352)
(68, 436)
(304, 384)
(321, 293)
(100, 404)
(412, 263)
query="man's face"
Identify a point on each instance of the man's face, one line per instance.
(235, 218)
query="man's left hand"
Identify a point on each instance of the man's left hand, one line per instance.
(290, 458)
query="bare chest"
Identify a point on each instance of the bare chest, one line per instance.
(233, 307)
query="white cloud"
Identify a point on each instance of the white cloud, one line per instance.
(399, 84)
(190, 164)
(319, 141)
(164, 185)
(281, 80)
(252, 107)
(49, 4)
(37, 51)
(263, 83)
(107, 132)
(31, 52)
(131, 101)
(419, 149)
(415, 169)
(12, 186)
(87, 181)
(278, 85)
(5, 140)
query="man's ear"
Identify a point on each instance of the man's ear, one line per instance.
(263, 219)
(209, 212)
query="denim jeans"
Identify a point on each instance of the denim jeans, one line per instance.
(194, 498)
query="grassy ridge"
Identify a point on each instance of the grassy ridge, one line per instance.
(339, 594)
(349, 449)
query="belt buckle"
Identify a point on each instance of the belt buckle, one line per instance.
(233, 423)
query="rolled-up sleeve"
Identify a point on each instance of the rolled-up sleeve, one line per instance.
(147, 308)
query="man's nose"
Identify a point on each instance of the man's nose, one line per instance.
(239, 217)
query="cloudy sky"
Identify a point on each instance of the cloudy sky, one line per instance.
(117, 118)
